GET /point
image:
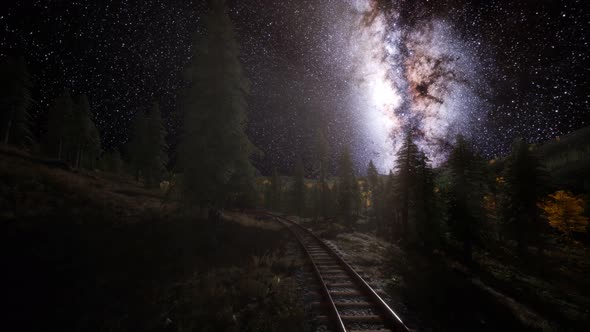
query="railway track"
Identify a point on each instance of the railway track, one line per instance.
(351, 304)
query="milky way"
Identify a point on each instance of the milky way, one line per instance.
(419, 78)
(362, 70)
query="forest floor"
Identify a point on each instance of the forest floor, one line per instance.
(438, 293)
(91, 251)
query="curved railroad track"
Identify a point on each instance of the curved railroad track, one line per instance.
(352, 305)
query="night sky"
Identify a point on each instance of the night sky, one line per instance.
(365, 70)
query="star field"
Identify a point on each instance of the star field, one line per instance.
(365, 70)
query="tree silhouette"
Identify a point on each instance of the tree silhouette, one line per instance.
(214, 144)
(465, 195)
(407, 160)
(15, 101)
(59, 121)
(374, 192)
(298, 188)
(346, 188)
(426, 222)
(275, 191)
(85, 137)
(524, 181)
(157, 155)
(137, 147)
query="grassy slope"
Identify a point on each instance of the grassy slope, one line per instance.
(93, 251)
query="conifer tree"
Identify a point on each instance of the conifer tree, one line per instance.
(426, 222)
(15, 101)
(137, 147)
(58, 137)
(372, 188)
(320, 171)
(357, 200)
(388, 213)
(214, 143)
(276, 189)
(465, 195)
(523, 188)
(112, 162)
(84, 137)
(346, 188)
(157, 156)
(372, 176)
(298, 189)
(407, 160)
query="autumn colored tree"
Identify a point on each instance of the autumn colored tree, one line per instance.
(565, 212)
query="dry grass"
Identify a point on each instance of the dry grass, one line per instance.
(251, 221)
(29, 188)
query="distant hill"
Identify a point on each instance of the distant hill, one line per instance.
(568, 159)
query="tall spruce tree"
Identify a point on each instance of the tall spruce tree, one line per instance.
(59, 119)
(407, 161)
(523, 188)
(346, 188)
(85, 138)
(157, 156)
(214, 143)
(426, 221)
(388, 214)
(15, 101)
(112, 162)
(465, 195)
(137, 148)
(298, 189)
(373, 190)
(320, 168)
(276, 191)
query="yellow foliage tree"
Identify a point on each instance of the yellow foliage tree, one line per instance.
(565, 212)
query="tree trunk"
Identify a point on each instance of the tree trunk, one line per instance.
(59, 149)
(78, 152)
(8, 128)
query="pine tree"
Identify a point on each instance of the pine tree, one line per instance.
(357, 200)
(426, 222)
(407, 160)
(373, 190)
(157, 156)
(321, 156)
(372, 176)
(112, 162)
(137, 147)
(15, 101)
(84, 135)
(388, 214)
(298, 189)
(58, 137)
(346, 188)
(276, 190)
(523, 188)
(322, 206)
(214, 144)
(465, 195)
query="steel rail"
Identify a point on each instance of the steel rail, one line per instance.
(390, 318)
